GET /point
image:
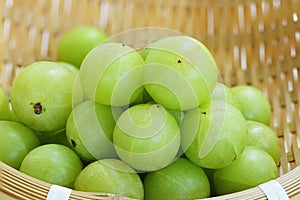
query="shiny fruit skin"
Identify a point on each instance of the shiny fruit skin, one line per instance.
(262, 136)
(76, 43)
(214, 136)
(253, 167)
(53, 163)
(16, 140)
(41, 96)
(111, 74)
(147, 137)
(253, 103)
(180, 180)
(89, 130)
(110, 176)
(182, 69)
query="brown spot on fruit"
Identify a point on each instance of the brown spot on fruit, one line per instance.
(37, 108)
(178, 61)
(73, 143)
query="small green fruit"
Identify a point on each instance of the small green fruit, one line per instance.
(111, 74)
(262, 136)
(16, 140)
(253, 103)
(179, 72)
(41, 96)
(53, 163)
(90, 129)
(147, 137)
(253, 167)
(110, 176)
(180, 180)
(215, 135)
(76, 43)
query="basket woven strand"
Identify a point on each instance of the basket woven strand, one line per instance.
(21, 186)
(254, 42)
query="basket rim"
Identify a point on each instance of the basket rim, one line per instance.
(290, 182)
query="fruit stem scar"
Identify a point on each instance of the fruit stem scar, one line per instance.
(37, 108)
(235, 157)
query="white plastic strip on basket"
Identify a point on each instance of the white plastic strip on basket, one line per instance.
(58, 192)
(273, 190)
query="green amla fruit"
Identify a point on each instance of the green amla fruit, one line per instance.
(253, 167)
(214, 136)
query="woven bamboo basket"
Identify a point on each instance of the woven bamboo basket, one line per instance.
(254, 42)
